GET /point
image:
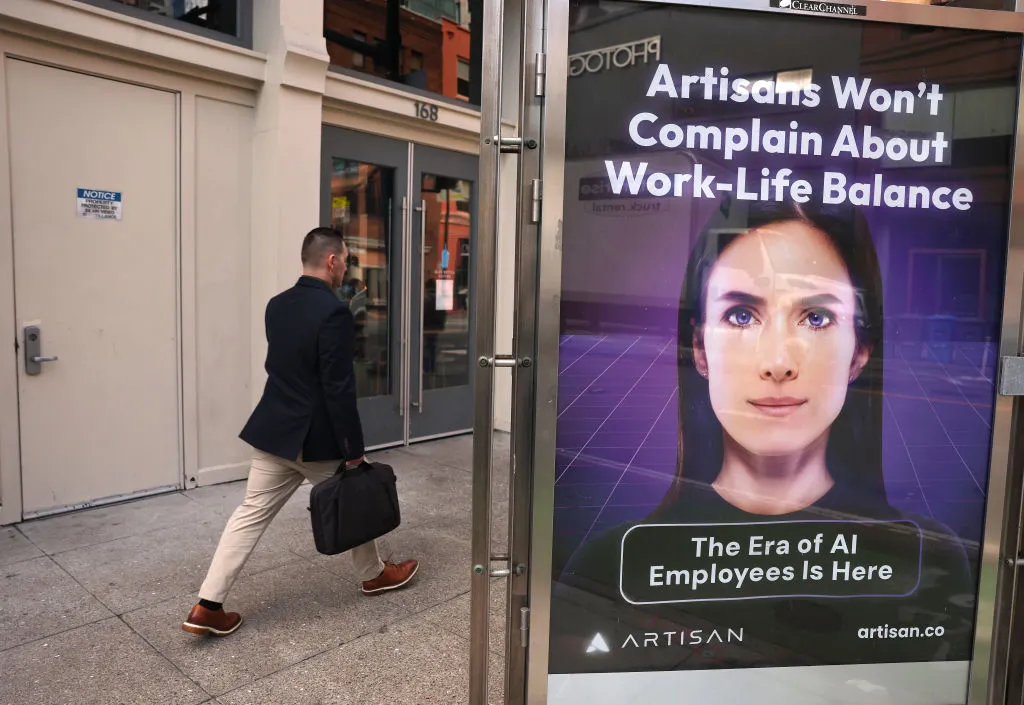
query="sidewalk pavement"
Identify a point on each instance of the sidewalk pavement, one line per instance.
(91, 603)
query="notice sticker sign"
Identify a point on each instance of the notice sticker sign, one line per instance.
(444, 295)
(98, 204)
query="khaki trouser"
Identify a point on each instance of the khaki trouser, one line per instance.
(272, 481)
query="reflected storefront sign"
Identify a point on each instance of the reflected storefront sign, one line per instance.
(783, 261)
(619, 56)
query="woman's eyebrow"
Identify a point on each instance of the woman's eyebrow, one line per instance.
(819, 299)
(742, 297)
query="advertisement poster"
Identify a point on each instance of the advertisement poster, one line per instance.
(783, 272)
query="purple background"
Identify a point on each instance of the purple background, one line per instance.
(622, 272)
(618, 407)
(617, 432)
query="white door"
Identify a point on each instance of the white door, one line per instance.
(102, 420)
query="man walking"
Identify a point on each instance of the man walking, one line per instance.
(305, 425)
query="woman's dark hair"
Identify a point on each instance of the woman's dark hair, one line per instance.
(854, 453)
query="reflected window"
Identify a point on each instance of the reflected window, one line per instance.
(446, 248)
(429, 45)
(358, 60)
(361, 209)
(463, 81)
(216, 18)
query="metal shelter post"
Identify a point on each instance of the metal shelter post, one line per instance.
(485, 289)
(513, 31)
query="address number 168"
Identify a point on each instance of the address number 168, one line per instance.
(426, 111)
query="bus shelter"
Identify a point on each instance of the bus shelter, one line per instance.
(767, 352)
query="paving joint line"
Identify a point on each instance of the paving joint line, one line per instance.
(56, 634)
(166, 658)
(368, 633)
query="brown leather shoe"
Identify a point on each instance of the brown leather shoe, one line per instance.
(203, 621)
(394, 576)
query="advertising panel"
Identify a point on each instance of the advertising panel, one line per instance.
(783, 262)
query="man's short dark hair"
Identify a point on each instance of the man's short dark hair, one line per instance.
(320, 242)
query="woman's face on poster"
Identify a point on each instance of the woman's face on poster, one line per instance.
(779, 345)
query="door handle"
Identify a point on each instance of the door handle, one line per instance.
(33, 351)
(403, 312)
(423, 258)
(406, 308)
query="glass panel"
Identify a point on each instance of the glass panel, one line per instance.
(218, 15)
(776, 330)
(446, 281)
(418, 43)
(361, 207)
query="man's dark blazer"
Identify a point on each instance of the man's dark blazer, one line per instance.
(309, 402)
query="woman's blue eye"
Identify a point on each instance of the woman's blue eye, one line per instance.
(818, 319)
(740, 317)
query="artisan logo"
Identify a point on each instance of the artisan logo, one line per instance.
(693, 637)
(598, 645)
(824, 8)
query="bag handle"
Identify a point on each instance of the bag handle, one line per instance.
(361, 466)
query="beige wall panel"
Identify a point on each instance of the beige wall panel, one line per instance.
(164, 75)
(223, 187)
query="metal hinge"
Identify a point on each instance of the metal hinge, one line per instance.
(511, 145)
(536, 194)
(1011, 376)
(524, 626)
(504, 361)
(540, 78)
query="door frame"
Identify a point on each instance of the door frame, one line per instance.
(426, 160)
(185, 92)
(10, 436)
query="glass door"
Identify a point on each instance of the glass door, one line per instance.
(364, 188)
(408, 214)
(444, 204)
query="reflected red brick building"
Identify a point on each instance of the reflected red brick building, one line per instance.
(454, 60)
(435, 41)
(360, 203)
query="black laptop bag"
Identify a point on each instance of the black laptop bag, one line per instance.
(354, 506)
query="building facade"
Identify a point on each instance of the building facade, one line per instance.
(160, 162)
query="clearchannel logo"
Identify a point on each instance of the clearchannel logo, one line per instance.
(824, 8)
